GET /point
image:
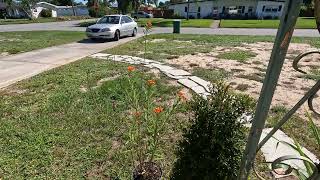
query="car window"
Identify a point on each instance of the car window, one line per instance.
(109, 20)
(140, 13)
(126, 19)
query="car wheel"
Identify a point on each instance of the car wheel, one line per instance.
(134, 33)
(116, 35)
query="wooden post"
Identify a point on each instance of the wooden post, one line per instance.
(280, 48)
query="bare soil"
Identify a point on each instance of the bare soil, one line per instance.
(249, 75)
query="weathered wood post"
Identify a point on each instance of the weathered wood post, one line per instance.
(280, 48)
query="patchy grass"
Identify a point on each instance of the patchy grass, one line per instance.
(210, 74)
(313, 74)
(242, 87)
(173, 45)
(18, 42)
(302, 23)
(238, 55)
(50, 128)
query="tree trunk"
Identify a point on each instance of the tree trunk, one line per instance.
(72, 4)
(317, 13)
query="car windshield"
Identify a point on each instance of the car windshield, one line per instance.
(109, 20)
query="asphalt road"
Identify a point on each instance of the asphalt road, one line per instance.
(72, 26)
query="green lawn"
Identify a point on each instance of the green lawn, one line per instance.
(18, 42)
(160, 22)
(39, 20)
(64, 124)
(302, 23)
(72, 122)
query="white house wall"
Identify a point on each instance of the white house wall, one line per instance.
(269, 4)
(206, 7)
(61, 10)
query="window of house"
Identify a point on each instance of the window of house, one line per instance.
(250, 9)
(199, 9)
(263, 8)
(186, 9)
(280, 8)
(274, 9)
(268, 9)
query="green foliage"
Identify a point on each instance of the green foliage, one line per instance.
(212, 147)
(46, 13)
(238, 55)
(211, 74)
(99, 12)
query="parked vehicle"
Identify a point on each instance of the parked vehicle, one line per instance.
(112, 27)
(141, 14)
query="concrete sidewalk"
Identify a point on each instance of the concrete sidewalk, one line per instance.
(18, 67)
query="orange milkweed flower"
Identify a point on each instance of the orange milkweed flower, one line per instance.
(158, 110)
(182, 95)
(151, 82)
(131, 68)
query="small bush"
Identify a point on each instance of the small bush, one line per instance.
(213, 145)
(46, 13)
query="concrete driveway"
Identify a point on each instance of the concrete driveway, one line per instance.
(21, 66)
(73, 26)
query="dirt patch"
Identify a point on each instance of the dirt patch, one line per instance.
(157, 40)
(291, 86)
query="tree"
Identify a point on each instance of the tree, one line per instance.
(27, 5)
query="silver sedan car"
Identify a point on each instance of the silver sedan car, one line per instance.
(112, 27)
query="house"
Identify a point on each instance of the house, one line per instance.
(229, 9)
(58, 11)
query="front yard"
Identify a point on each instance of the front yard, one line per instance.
(75, 121)
(302, 23)
(18, 42)
(241, 61)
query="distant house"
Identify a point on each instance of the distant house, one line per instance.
(58, 11)
(230, 9)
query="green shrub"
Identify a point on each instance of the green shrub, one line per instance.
(46, 13)
(212, 147)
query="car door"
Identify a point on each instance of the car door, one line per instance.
(126, 25)
(131, 25)
(123, 27)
